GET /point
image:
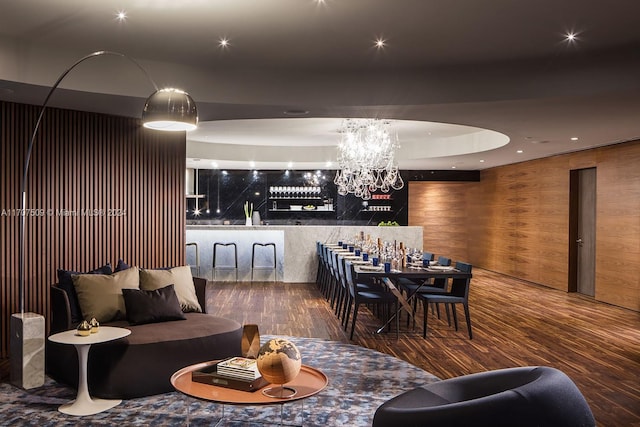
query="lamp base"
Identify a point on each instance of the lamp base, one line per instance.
(27, 350)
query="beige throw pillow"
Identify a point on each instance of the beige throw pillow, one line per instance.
(182, 281)
(100, 295)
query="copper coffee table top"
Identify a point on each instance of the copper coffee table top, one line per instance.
(308, 382)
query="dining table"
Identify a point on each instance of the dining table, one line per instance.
(413, 271)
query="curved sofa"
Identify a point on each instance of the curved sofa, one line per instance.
(142, 363)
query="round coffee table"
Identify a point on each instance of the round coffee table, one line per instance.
(309, 381)
(84, 403)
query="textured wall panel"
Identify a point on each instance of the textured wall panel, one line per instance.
(105, 188)
(516, 220)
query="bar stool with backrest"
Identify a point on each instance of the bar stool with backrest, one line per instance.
(197, 266)
(215, 265)
(268, 267)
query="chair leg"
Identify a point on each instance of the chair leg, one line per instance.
(345, 310)
(345, 322)
(446, 308)
(425, 308)
(455, 316)
(353, 323)
(395, 310)
(468, 318)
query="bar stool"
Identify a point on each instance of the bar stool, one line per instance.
(197, 266)
(215, 267)
(253, 260)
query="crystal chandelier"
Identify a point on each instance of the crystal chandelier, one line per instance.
(366, 158)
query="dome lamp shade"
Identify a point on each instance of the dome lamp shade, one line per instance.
(170, 110)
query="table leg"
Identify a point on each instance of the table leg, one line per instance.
(84, 404)
(404, 303)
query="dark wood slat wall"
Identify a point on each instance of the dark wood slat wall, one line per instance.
(517, 220)
(87, 161)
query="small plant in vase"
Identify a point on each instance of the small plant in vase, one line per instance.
(248, 212)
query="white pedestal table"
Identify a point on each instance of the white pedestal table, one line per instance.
(84, 403)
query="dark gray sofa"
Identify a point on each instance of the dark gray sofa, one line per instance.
(142, 363)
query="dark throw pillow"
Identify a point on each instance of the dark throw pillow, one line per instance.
(65, 282)
(121, 265)
(159, 305)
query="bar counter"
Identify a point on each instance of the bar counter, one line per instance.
(296, 260)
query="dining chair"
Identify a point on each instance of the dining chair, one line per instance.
(438, 285)
(370, 296)
(458, 294)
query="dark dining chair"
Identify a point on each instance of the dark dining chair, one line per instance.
(366, 295)
(458, 294)
(438, 285)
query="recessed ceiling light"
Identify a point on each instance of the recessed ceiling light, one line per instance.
(519, 151)
(380, 43)
(574, 138)
(453, 167)
(121, 15)
(223, 42)
(571, 37)
(481, 161)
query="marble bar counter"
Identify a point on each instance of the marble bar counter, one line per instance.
(296, 260)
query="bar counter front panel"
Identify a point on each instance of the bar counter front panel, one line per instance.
(296, 260)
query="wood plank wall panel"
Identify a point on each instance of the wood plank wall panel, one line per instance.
(87, 161)
(618, 226)
(442, 211)
(518, 220)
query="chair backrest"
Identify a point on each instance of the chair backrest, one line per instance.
(348, 269)
(443, 260)
(428, 256)
(334, 264)
(460, 285)
(341, 271)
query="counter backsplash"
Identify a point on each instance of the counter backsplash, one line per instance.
(287, 198)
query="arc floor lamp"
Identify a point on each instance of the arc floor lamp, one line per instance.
(167, 109)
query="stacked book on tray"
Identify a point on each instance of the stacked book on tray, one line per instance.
(238, 373)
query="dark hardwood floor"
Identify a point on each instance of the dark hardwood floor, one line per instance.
(514, 322)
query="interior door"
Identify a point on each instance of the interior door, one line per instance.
(586, 231)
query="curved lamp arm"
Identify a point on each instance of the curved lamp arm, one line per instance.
(192, 114)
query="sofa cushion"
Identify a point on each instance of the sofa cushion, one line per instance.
(159, 305)
(65, 282)
(100, 296)
(182, 281)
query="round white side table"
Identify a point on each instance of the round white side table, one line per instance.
(84, 403)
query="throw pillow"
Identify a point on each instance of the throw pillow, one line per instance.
(65, 282)
(121, 265)
(100, 296)
(182, 281)
(155, 306)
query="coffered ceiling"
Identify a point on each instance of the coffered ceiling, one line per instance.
(533, 73)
